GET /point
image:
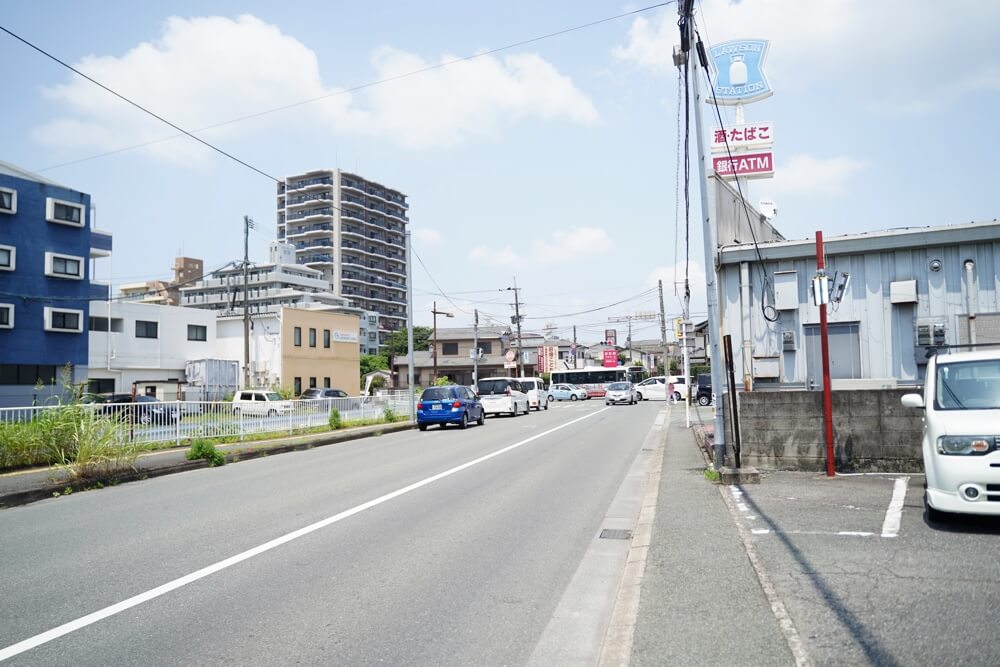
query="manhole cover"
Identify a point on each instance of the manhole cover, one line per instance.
(616, 534)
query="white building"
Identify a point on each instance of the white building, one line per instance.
(352, 229)
(141, 342)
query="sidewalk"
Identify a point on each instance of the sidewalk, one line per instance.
(701, 602)
(27, 486)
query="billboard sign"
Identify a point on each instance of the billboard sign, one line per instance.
(738, 72)
(611, 336)
(751, 165)
(749, 135)
(610, 358)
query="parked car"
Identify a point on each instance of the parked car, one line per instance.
(451, 404)
(142, 409)
(704, 393)
(502, 395)
(652, 389)
(620, 392)
(321, 398)
(961, 445)
(260, 403)
(567, 392)
(538, 396)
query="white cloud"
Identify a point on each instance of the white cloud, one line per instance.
(809, 175)
(890, 53)
(561, 246)
(427, 236)
(203, 71)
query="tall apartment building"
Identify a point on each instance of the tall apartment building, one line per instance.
(352, 230)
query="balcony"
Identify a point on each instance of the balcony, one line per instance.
(305, 199)
(317, 243)
(303, 230)
(325, 212)
(318, 258)
(309, 183)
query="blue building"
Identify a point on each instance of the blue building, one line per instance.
(47, 253)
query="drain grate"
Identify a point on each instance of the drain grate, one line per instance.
(616, 534)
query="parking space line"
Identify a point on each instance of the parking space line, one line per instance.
(894, 513)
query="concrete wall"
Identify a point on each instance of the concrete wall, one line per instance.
(872, 431)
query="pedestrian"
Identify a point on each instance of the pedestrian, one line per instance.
(670, 392)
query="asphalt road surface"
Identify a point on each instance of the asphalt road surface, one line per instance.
(384, 550)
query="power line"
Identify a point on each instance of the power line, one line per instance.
(593, 310)
(137, 105)
(337, 93)
(414, 250)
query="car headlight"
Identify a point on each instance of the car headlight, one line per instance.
(965, 444)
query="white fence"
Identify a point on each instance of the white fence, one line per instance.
(150, 421)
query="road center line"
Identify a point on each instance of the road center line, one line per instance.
(89, 619)
(894, 514)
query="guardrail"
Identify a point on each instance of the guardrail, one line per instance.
(165, 421)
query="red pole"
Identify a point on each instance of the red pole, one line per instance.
(827, 397)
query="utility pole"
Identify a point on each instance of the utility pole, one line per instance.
(574, 347)
(709, 232)
(517, 319)
(434, 351)
(663, 330)
(247, 226)
(409, 328)
(475, 347)
(821, 295)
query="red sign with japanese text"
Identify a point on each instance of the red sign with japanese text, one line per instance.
(610, 358)
(752, 135)
(744, 164)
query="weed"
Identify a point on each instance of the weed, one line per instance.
(712, 474)
(335, 421)
(205, 449)
(389, 415)
(67, 491)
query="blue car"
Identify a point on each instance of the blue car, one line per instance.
(451, 404)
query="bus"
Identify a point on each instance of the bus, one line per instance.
(595, 379)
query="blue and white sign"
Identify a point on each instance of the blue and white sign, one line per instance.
(738, 72)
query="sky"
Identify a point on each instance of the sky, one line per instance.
(552, 165)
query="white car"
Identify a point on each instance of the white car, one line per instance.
(652, 389)
(538, 396)
(620, 392)
(260, 403)
(502, 395)
(961, 443)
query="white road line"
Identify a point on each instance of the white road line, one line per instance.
(894, 514)
(839, 533)
(89, 619)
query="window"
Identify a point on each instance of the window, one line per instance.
(8, 200)
(326, 383)
(27, 374)
(486, 346)
(372, 335)
(326, 338)
(64, 212)
(101, 385)
(64, 266)
(6, 316)
(298, 385)
(144, 329)
(312, 339)
(312, 383)
(297, 341)
(197, 332)
(63, 320)
(449, 348)
(7, 253)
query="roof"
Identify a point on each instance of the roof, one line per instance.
(15, 171)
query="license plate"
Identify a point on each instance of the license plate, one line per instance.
(435, 407)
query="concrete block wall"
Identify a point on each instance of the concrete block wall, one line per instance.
(872, 431)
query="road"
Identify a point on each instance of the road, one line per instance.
(401, 557)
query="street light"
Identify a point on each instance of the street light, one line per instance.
(434, 351)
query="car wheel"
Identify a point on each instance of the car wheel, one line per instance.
(482, 417)
(573, 397)
(607, 402)
(704, 400)
(638, 395)
(422, 427)
(236, 412)
(272, 413)
(677, 396)
(464, 423)
(547, 403)
(145, 418)
(935, 515)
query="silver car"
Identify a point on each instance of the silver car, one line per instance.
(620, 392)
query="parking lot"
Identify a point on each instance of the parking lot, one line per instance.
(865, 577)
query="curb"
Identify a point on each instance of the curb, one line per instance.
(255, 450)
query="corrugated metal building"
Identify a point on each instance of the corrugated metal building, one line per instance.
(908, 289)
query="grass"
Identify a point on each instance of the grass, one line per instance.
(712, 475)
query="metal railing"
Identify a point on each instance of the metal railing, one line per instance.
(177, 421)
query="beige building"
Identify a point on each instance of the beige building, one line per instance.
(164, 292)
(297, 348)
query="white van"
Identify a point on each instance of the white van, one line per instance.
(538, 395)
(260, 403)
(961, 448)
(502, 395)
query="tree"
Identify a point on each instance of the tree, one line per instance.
(373, 362)
(396, 343)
